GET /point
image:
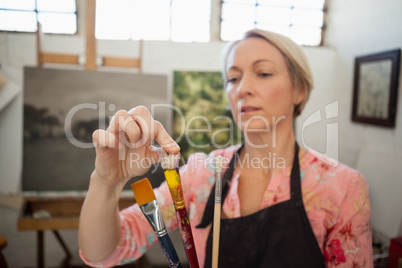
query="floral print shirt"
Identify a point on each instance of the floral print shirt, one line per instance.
(336, 199)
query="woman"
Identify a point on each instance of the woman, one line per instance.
(301, 212)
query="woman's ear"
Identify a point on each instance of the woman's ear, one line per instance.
(299, 95)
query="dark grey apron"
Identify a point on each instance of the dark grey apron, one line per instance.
(277, 236)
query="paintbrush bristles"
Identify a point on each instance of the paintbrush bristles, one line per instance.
(143, 191)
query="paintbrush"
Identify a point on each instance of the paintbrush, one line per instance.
(146, 199)
(217, 212)
(169, 164)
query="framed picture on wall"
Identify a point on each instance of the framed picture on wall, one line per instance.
(375, 88)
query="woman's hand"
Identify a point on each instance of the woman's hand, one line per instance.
(124, 150)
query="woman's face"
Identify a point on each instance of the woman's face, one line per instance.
(259, 88)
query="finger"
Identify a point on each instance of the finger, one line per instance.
(103, 139)
(153, 130)
(122, 121)
(162, 137)
(144, 120)
(151, 157)
(159, 153)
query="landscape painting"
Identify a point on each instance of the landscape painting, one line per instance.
(62, 108)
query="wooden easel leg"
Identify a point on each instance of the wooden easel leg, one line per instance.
(66, 261)
(40, 251)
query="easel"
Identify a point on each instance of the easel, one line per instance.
(62, 213)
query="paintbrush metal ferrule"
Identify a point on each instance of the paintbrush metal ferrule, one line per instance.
(153, 214)
(218, 188)
(218, 178)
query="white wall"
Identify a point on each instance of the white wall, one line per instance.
(357, 28)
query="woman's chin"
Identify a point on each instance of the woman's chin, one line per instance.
(255, 128)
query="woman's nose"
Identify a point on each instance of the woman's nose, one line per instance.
(246, 86)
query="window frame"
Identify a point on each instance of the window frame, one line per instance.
(171, 33)
(215, 23)
(37, 12)
(323, 27)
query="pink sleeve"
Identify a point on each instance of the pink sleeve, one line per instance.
(188, 174)
(136, 235)
(349, 240)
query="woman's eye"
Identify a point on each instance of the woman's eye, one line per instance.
(265, 75)
(232, 79)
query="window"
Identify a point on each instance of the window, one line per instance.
(54, 16)
(176, 20)
(171, 20)
(300, 20)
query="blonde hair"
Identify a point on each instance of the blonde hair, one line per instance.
(296, 61)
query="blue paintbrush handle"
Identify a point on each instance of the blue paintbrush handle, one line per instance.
(169, 251)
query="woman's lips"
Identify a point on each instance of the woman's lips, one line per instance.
(248, 109)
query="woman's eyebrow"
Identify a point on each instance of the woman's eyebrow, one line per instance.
(263, 61)
(233, 68)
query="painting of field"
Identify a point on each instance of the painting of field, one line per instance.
(202, 121)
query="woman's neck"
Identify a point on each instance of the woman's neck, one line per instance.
(278, 148)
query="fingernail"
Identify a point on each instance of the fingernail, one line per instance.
(176, 148)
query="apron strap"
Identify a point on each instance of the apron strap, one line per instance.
(295, 181)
